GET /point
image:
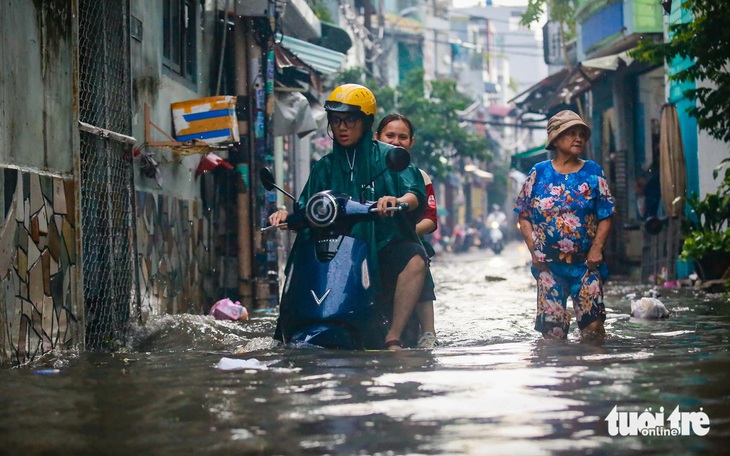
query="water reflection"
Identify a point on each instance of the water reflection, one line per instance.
(492, 387)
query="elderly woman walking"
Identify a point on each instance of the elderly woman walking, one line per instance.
(565, 212)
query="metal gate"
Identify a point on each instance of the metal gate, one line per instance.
(108, 245)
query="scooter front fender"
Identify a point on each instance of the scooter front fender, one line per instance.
(331, 297)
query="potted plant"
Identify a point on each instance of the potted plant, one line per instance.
(706, 229)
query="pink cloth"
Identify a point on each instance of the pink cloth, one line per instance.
(225, 309)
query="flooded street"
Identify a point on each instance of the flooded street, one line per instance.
(491, 387)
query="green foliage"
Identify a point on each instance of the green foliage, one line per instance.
(707, 229)
(320, 10)
(706, 42)
(439, 137)
(562, 11)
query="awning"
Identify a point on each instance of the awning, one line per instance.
(335, 38)
(524, 161)
(518, 177)
(480, 173)
(299, 18)
(295, 16)
(320, 59)
(609, 62)
(293, 115)
(538, 95)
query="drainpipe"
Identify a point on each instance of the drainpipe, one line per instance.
(243, 196)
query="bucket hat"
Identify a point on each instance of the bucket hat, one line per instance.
(560, 122)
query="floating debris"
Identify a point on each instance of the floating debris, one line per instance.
(493, 278)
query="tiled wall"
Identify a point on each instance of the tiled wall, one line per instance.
(39, 311)
(38, 262)
(173, 247)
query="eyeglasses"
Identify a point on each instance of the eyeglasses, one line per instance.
(349, 121)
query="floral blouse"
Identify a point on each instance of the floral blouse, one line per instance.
(564, 210)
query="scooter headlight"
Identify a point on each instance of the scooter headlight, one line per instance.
(321, 210)
(495, 225)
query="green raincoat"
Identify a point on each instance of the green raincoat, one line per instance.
(333, 172)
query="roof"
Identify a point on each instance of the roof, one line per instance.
(557, 89)
(320, 59)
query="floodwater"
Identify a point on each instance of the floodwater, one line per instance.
(491, 387)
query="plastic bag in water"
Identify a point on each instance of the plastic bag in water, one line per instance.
(240, 364)
(225, 309)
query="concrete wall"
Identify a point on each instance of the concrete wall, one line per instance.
(158, 87)
(40, 307)
(39, 278)
(37, 113)
(174, 242)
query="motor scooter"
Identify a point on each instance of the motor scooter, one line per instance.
(329, 298)
(496, 237)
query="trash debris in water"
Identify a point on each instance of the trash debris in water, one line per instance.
(240, 364)
(493, 278)
(47, 371)
(653, 293)
(649, 308)
(225, 309)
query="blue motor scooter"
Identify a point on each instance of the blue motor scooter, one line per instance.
(329, 298)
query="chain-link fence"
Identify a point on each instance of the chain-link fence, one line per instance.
(107, 187)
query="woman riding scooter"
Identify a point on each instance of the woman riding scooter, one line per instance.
(395, 253)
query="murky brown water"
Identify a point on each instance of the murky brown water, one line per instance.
(492, 387)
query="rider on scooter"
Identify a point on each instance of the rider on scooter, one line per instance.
(494, 228)
(497, 216)
(355, 160)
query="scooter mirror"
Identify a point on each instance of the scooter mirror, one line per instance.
(397, 159)
(267, 179)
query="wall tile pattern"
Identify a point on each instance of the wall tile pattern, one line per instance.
(174, 260)
(39, 311)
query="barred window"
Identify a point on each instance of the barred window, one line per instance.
(179, 28)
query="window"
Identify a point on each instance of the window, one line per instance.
(179, 27)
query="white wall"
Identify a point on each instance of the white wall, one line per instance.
(711, 152)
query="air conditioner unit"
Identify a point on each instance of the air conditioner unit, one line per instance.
(259, 8)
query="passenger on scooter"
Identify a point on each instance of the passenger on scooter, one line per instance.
(356, 159)
(398, 130)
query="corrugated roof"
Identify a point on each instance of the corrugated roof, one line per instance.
(321, 59)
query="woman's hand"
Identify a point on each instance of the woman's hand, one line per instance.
(526, 229)
(539, 265)
(386, 202)
(595, 256)
(277, 218)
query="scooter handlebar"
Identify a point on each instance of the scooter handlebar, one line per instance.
(399, 208)
(271, 227)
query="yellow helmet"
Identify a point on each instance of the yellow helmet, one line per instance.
(351, 98)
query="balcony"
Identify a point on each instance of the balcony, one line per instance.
(608, 27)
